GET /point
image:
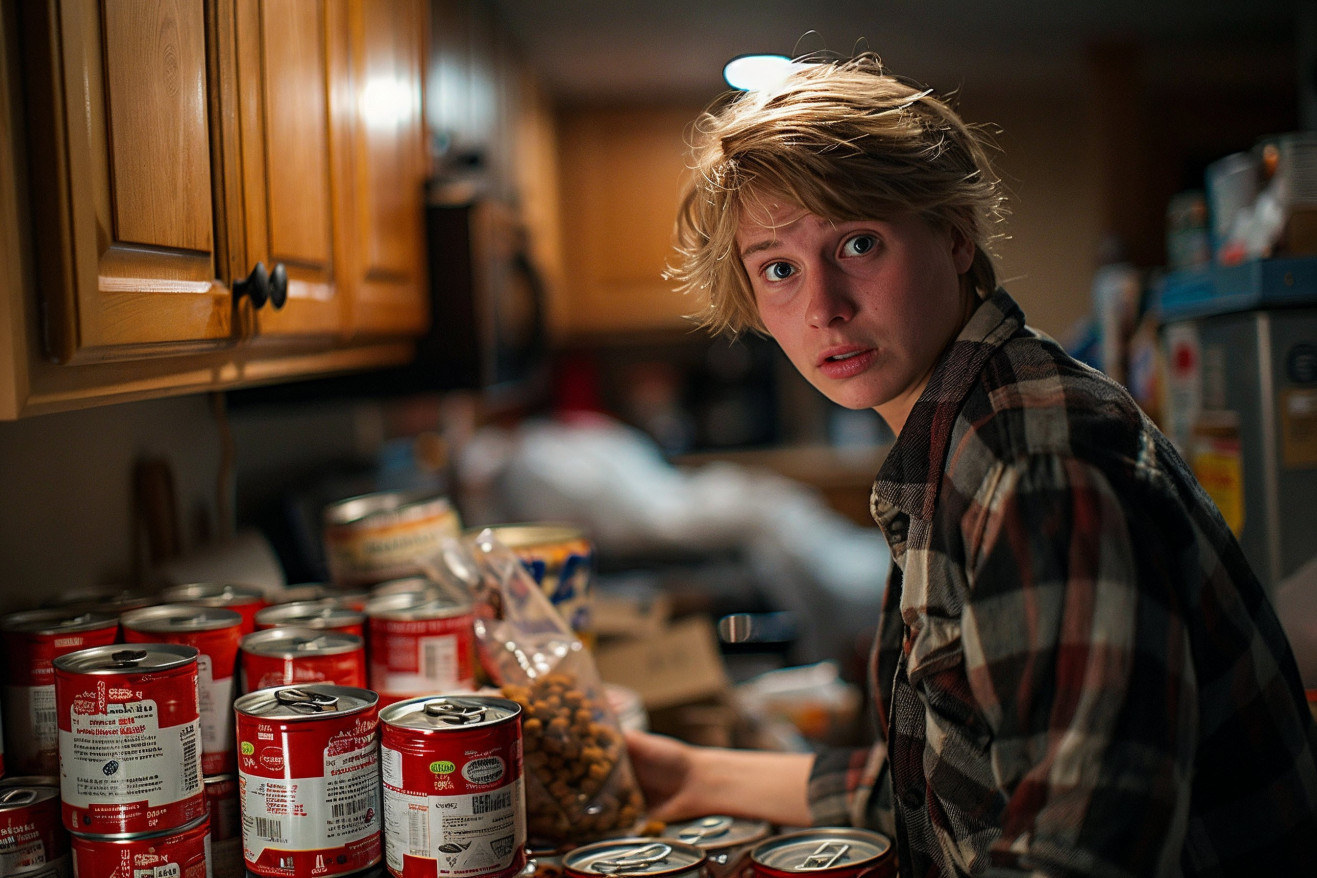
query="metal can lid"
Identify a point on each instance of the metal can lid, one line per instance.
(55, 620)
(535, 535)
(115, 658)
(634, 856)
(719, 831)
(401, 505)
(308, 614)
(180, 617)
(819, 850)
(302, 591)
(440, 712)
(301, 701)
(212, 592)
(15, 796)
(299, 641)
(424, 604)
(36, 780)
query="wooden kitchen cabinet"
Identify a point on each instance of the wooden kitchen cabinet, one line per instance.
(171, 146)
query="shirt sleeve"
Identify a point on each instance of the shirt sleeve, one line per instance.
(850, 787)
(1080, 664)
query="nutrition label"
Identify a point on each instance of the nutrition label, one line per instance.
(123, 755)
(466, 834)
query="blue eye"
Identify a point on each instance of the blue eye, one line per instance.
(859, 245)
(778, 270)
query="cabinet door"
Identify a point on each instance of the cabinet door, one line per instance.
(384, 145)
(291, 187)
(119, 146)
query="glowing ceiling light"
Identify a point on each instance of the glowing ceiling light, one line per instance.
(751, 72)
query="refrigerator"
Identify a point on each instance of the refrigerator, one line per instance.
(1239, 344)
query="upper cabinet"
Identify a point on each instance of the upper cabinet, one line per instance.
(220, 193)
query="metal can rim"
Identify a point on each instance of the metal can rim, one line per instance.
(160, 619)
(400, 505)
(265, 641)
(400, 714)
(534, 534)
(250, 704)
(172, 655)
(881, 844)
(572, 860)
(29, 621)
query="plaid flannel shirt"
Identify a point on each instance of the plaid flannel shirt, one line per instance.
(1076, 672)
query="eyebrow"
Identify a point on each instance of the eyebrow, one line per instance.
(757, 246)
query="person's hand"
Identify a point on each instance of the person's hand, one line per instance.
(665, 769)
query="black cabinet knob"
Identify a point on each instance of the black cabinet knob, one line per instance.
(278, 286)
(255, 286)
(262, 286)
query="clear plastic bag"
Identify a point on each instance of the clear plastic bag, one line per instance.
(580, 785)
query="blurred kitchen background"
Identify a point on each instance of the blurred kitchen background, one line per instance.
(554, 375)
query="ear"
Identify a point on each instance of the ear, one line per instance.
(962, 250)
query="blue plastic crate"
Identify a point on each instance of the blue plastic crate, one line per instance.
(1215, 289)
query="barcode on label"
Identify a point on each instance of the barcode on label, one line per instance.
(439, 659)
(45, 718)
(418, 831)
(191, 766)
(268, 827)
(354, 806)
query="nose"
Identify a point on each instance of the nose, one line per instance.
(829, 299)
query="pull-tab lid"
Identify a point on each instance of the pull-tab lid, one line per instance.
(718, 832)
(438, 713)
(55, 620)
(13, 797)
(634, 857)
(167, 618)
(822, 850)
(305, 700)
(300, 700)
(299, 641)
(118, 658)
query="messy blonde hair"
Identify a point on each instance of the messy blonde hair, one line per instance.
(845, 140)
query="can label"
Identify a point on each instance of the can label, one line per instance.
(309, 783)
(31, 833)
(129, 739)
(175, 853)
(417, 656)
(216, 634)
(561, 559)
(32, 641)
(454, 794)
(383, 536)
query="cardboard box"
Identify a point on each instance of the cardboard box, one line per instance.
(678, 664)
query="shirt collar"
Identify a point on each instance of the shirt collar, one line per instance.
(911, 472)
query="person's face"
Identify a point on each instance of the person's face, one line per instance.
(863, 309)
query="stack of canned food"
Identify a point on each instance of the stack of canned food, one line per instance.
(210, 731)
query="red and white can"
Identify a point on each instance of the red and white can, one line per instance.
(826, 852)
(284, 656)
(216, 633)
(245, 599)
(225, 825)
(129, 738)
(454, 789)
(635, 858)
(183, 852)
(309, 780)
(386, 535)
(325, 615)
(33, 639)
(420, 643)
(33, 840)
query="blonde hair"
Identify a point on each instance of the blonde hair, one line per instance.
(845, 140)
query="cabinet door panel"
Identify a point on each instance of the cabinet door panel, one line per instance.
(288, 186)
(387, 166)
(126, 217)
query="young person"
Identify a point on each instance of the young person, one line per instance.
(1075, 672)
